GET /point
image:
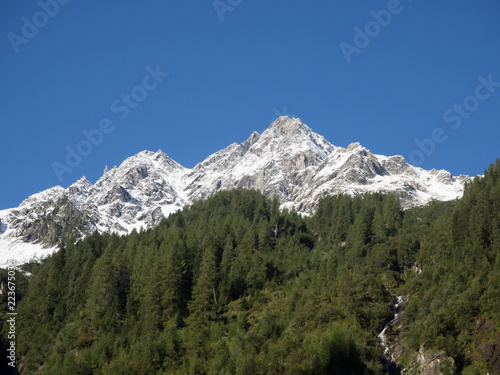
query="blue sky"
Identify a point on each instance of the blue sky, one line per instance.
(190, 77)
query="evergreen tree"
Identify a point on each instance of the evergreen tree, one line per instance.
(203, 304)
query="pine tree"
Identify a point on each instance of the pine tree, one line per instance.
(203, 304)
(170, 278)
(228, 256)
(378, 227)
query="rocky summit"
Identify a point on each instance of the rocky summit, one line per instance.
(288, 160)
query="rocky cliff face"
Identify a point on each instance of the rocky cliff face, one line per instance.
(429, 362)
(45, 217)
(399, 359)
(485, 348)
(287, 160)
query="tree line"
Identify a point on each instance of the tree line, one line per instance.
(234, 285)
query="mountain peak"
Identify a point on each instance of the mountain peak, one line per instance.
(354, 146)
(282, 120)
(254, 137)
(288, 160)
(147, 158)
(285, 124)
(82, 182)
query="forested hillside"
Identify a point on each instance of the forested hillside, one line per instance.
(233, 285)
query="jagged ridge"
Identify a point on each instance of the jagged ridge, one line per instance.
(287, 160)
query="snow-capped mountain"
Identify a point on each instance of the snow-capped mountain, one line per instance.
(288, 160)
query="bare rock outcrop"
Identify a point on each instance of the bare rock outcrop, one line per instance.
(485, 347)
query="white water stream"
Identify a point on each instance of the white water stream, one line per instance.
(381, 336)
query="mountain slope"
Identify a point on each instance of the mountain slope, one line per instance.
(288, 160)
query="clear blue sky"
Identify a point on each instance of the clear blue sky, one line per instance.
(232, 72)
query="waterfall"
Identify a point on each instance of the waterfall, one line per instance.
(381, 336)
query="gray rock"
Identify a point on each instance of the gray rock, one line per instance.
(288, 160)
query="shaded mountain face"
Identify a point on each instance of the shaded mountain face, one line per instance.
(288, 160)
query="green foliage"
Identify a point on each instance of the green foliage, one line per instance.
(459, 252)
(233, 285)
